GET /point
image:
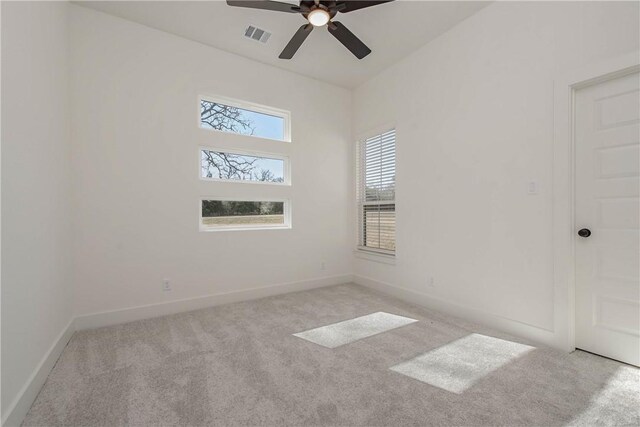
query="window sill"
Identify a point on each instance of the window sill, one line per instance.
(218, 229)
(375, 256)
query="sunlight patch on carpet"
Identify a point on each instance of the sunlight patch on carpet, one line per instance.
(348, 331)
(458, 365)
(614, 394)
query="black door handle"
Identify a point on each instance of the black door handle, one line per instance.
(585, 232)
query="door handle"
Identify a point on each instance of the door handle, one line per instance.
(584, 232)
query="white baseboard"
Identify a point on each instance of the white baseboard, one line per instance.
(481, 317)
(107, 318)
(20, 406)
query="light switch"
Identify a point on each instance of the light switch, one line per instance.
(532, 187)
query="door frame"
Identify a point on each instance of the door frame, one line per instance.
(563, 198)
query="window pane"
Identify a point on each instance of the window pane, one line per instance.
(380, 226)
(234, 214)
(220, 165)
(232, 119)
(380, 167)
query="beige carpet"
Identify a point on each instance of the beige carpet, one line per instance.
(352, 330)
(239, 364)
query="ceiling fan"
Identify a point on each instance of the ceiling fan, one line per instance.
(318, 13)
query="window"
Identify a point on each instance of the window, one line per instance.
(220, 214)
(257, 210)
(220, 165)
(244, 118)
(376, 193)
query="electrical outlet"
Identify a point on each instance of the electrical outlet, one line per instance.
(166, 285)
(323, 265)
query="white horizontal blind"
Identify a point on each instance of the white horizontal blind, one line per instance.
(376, 192)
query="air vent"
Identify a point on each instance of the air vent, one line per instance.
(257, 34)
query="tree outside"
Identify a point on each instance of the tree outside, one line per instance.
(233, 166)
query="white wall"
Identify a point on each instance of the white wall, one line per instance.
(136, 137)
(36, 189)
(474, 117)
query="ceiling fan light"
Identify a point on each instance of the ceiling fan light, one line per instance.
(318, 17)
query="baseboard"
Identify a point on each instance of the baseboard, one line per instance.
(515, 328)
(107, 318)
(21, 404)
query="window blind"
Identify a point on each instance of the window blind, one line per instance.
(376, 192)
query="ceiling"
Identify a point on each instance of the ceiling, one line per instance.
(391, 30)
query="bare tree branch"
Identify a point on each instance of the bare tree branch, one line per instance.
(227, 166)
(223, 165)
(225, 118)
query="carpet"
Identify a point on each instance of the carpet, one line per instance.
(240, 365)
(348, 331)
(455, 367)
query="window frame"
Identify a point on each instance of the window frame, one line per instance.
(366, 251)
(286, 168)
(286, 208)
(250, 106)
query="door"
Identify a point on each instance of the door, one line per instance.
(607, 218)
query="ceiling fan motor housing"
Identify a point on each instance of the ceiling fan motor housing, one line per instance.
(328, 6)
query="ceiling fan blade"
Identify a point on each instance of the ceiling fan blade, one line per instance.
(265, 5)
(296, 41)
(348, 39)
(351, 5)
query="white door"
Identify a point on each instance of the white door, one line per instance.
(607, 164)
